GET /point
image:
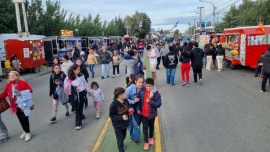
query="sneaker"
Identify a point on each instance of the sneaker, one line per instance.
(218, 70)
(97, 115)
(27, 137)
(78, 127)
(256, 76)
(67, 114)
(200, 81)
(187, 85)
(113, 76)
(108, 76)
(136, 142)
(118, 75)
(183, 83)
(146, 146)
(23, 135)
(151, 141)
(3, 140)
(83, 117)
(263, 91)
(53, 120)
(195, 83)
(102, 77)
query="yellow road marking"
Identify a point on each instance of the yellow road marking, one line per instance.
(101, 136)
(158, 141)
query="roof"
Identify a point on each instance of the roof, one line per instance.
(26, 39)
(246, 27)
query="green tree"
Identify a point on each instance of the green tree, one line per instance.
(7, 17)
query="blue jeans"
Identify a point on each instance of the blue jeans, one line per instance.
(105, 70)
(91, 68)
(257, 70)
(170, 75)
(134, 126)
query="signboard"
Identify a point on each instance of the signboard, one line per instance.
(243, 49)
(203, 25)
(26, 53)
(66, 33)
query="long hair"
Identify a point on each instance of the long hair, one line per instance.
(17, 74)
(71, 74)
(185, 50)
(207, 48)
(55, 65)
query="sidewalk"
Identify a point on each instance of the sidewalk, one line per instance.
(107, 139)
(28, 76)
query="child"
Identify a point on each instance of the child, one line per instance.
(116, 61)
(131, 80)
(148, 108)
(153, 61)
(119, 110)
(57, 79)
(98, 96)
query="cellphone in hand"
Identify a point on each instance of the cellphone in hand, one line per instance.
(16, 91)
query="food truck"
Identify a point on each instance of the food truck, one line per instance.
(56, 46)
(30, 51)
(243, 45)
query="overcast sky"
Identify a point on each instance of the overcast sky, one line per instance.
(163, 13)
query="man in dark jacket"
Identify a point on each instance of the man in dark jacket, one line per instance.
(196, 57)
(105, 59)
(170, 64)
(266, 68)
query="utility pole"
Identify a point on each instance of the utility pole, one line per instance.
(214, 13)
(194, 18)
(200, 14)
(17, 9)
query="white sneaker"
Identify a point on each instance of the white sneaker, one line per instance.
(78, 127)
(113, 76)
(118, 75)
(27, 136)
(200, 81)
(97, 116)
(183, 83)
(23, 135)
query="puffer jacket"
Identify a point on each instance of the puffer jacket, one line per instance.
(154, 103)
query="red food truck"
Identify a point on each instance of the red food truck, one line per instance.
(30, 51)
(244, 45)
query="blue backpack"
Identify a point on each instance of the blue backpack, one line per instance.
(138, 67)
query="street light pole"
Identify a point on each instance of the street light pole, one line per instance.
(214, 13)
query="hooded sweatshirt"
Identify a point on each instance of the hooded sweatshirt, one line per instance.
(196, 57)
(171, 60)
(117, 110)
(266, 62)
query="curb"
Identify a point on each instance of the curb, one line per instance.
(101, 136)
(158, 137)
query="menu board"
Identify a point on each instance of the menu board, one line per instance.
(243, 49)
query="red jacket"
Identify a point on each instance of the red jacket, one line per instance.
(21, 85)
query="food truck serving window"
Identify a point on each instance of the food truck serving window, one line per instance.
(259, 40)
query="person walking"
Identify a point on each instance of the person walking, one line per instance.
(3, 131)
(105, 59)
(209, 56)
(259, 66)
(67, 63)
(153, 61)
(12, 90)
(130, 60)
(185, 66)
(116, 60)
(157, 49)
(98, 96)
(91, 61)
(78, 88)
(163, 53)
(171, 62)
(57, 79)
(266, 68)
(220, 56)
(196, 57)
(214, 55)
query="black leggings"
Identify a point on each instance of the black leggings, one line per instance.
(23, 120)
(115, 67)
(120, 134)
(79, 108)
(148, 123)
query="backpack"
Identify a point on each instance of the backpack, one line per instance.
(138, 68)
(61, 76)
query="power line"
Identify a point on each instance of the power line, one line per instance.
(228, 5)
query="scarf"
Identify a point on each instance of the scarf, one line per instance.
(13, 106)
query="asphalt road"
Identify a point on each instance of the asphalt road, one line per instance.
(225, 114)
(61, 136)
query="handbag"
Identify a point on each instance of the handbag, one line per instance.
(4, 105)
